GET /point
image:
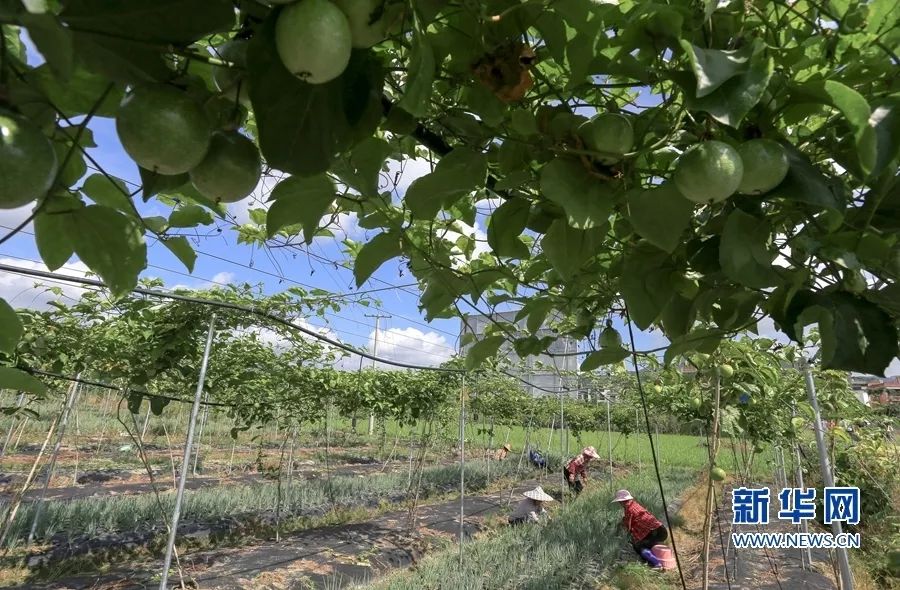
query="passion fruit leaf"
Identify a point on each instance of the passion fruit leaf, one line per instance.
(53, 40)
(50, 233)
(373, 254)
(660, 215)
(153, 183)
(302, 127)
(175, 22)
(17, 380)
(855, 333)
(568, 184)
(714, 67)
(607, 356)
(417, 92)
(110, 244)
(483, 349)
(703, 340)
(645, 283)
(189, 216)
(885, 120)
(456, 174)
(181, 248)
(806, 184)
(855, 109)
(568, 248)
(300, 200)
(744, 251)
(10, 328)
(363, 169)
(730, 103)
(505, 226)
(107, 191)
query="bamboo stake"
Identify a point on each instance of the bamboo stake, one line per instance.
(12, 425)
(710, 488)
(61, 430)
(16, 501)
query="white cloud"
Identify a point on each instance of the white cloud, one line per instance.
(403, 174)
(13, 217)
(893, 369)
(410, 345)
(223, 277)
(30, 292)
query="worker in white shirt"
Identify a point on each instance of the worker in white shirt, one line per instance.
(531, 508)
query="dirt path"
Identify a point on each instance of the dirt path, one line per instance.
(318, 558)
(768, 569)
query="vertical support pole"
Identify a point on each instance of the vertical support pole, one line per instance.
(825, 465)
(462, 473)
(798, 475)
(637, 430)
(186, 459)
(562, 426)
(375, 353)
(200, 433)
(609, 439)
(67, 409)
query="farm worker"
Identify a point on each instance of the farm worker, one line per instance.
(575, 470)
(645, 530)
(536, 459)
(502, 452)
(531, 509)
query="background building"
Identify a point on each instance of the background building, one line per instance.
(544, 371)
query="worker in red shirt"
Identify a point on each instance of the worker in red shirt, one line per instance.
(645, 530)
(575, 470)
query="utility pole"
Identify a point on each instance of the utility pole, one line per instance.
(374, 353)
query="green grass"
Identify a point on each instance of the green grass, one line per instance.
(93, 516)
(541, 556)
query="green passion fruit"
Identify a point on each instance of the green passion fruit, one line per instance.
(371, 20)
(231, 169)
(610, 337)
(314, 40)
(717, 474)
(696, 403)
(709, 172)
(163, 129)
(28, 161)
(610, 134)
(232, 81)
(765, 166)
(726, 371)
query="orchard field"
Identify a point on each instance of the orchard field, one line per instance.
(667, 230)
